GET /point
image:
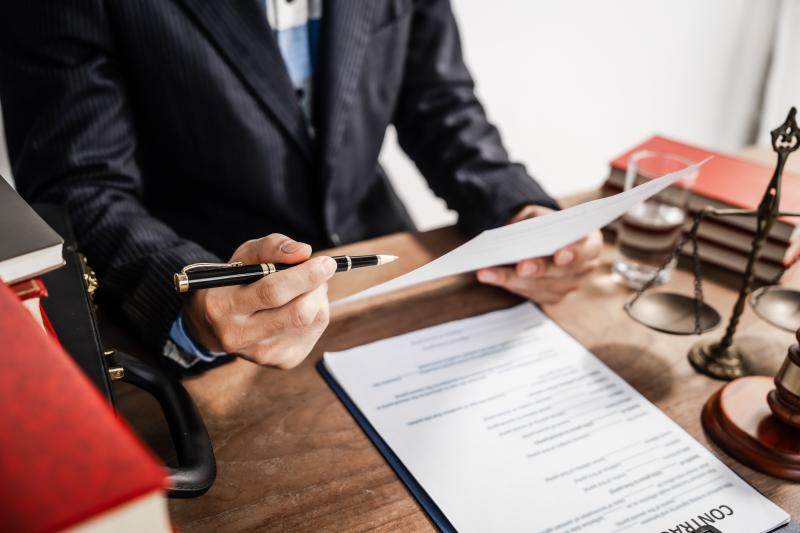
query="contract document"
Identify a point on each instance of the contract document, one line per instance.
(509, 424)
(535, 237)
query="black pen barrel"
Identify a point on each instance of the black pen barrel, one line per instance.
(359, 261)
(343, 262)
(349, 262)
(222, 277)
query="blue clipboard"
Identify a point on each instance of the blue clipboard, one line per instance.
(425, 501)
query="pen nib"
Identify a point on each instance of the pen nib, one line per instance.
(383, 259)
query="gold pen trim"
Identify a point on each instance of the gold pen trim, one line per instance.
(181, 282)
(210, 266)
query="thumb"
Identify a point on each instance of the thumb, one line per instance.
(274, 248)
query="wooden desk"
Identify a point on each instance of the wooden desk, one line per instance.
(289, 455)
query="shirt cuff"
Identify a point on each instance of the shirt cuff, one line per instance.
(182, 349)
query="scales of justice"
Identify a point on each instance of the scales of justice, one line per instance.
(754, 418)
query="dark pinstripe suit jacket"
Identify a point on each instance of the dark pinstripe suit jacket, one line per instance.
(170, 130)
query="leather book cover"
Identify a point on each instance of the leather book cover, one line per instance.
(65, 456)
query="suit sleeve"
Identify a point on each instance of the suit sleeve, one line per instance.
(72, 141)
(442, 126)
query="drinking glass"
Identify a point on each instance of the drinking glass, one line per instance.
(648, 232)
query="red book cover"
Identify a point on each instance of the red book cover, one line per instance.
(30, 292)
(64, 454)
(48, 327)
(725, 178)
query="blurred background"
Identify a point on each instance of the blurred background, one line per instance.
(572, 84)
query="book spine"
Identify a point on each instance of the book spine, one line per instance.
(713, 253)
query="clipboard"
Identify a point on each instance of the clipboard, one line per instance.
(435, 514)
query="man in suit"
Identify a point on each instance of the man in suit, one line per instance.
(182, 131)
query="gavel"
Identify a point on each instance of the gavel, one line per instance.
(784, 400)
(756, 419)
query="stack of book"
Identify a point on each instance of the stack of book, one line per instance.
(28, 249)
(728, 182)
(67, 461)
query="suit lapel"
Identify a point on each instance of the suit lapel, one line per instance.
(241, 32)
(346, 26)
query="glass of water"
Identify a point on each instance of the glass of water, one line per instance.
(648, 232)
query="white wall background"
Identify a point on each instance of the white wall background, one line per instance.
(783, 84)
(573, 83)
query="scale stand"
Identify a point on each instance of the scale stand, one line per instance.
(753, 418)
(684, 315)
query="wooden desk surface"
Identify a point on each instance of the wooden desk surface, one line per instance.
(289, 456)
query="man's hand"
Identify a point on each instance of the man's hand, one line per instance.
(275, 321)
(547, 280)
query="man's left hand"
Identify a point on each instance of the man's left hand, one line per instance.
(546, 280)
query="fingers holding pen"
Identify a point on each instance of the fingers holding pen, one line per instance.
(290, 348)
(300, 320)
(291, 302)
(221, 318)
(278, 289)
(301, 313)
(276, 319)
(274, 248)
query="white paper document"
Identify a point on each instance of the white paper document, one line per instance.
(535, 237)
(510, 424)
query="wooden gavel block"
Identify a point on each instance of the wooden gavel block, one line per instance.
(756, 419)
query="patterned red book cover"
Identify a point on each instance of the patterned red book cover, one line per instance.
(64, 454)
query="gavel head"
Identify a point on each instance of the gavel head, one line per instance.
(784, 400)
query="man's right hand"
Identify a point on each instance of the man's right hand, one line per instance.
(275, 321)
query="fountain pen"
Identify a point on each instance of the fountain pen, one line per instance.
(207, 275)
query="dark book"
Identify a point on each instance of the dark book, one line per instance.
(28, 246)
(727, 256)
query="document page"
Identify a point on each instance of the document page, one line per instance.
(510, 424)
(535, 237)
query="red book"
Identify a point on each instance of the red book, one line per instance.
(30, 292)
(66, 459)
(724, 181)
(30, 288)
